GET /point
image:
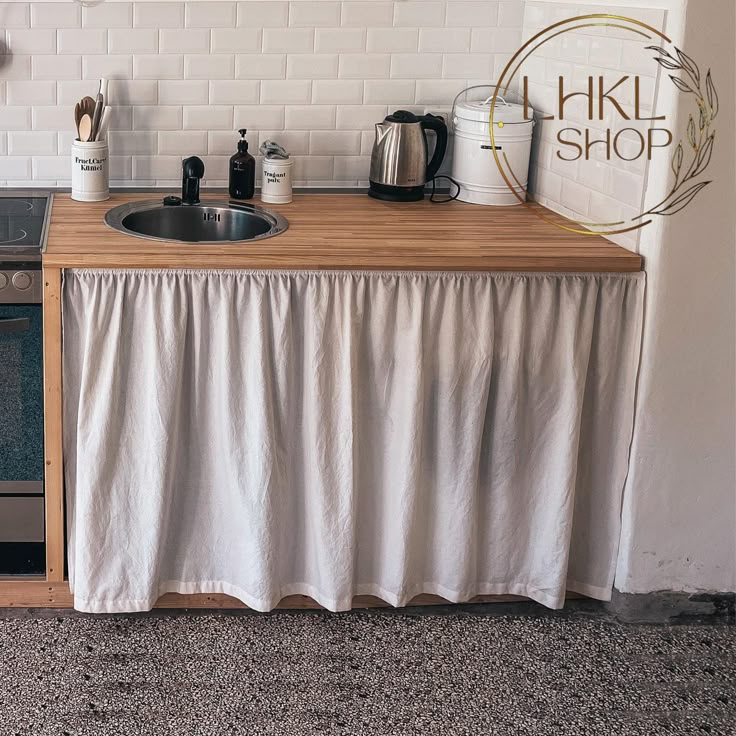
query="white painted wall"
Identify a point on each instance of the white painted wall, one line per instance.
(679, 516)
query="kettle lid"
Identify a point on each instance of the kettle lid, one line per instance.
(402, 116)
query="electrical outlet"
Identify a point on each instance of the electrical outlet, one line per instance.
(444, 112)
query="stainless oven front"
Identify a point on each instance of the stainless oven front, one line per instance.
(21, 420)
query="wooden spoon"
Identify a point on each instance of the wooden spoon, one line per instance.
(85, 128)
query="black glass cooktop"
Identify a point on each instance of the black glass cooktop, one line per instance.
(22, 223)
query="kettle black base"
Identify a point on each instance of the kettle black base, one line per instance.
(393, 193)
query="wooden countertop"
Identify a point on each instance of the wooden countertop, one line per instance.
(345, 231)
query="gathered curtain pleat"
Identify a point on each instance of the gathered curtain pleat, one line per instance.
(333, 434)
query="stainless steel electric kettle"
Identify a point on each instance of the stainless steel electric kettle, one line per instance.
(399, 168)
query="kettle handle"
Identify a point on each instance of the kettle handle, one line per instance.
(437, 124)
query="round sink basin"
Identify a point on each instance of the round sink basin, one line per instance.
(207, 222)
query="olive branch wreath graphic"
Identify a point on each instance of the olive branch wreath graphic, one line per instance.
(700, 138)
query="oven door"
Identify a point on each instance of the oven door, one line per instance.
(21, 439)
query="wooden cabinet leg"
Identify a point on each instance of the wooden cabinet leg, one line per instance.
(54, 471)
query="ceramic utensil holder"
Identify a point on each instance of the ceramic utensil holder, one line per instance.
(90, 171)
(276, 183)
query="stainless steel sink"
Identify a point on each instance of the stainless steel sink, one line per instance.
(207, 222)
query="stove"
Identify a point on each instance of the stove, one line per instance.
(24, 221)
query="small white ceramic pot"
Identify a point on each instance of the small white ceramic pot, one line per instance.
(276, 182)
(90, 171)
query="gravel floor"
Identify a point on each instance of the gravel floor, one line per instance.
(363, 673)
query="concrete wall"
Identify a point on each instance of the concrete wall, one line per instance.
(679, 516)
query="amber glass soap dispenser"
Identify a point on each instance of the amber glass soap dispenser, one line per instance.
(242, 171)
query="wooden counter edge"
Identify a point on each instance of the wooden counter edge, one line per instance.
(53, 453)
(39, 593)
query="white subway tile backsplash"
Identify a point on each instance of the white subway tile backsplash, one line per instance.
(416, 66)
(389, 40)
(17, 167)
(163, 66)
(296, 142)
(129, 92)
(183, 92)
(32, 143)
(310, 117)
(31, 93)
(208, 117)
(15, 15)
(286, 91)
(369, 13)
(235, 40)
(511, 13)
(234, 92)
(210, 14)
(263, 14)
(56, 67)
(314, 13)
(316, 75)
(437, 92)
(108, 15)
(15, 118)
(259, 117)
(133, 40)
(495, 40)
(158, 117)
(72, 90)
(31, 41)
(15, 66)
(364, 66)
(444, 39)
(291, 40)
(337, 91)
(224, 142)
(132, 142)
(56, 15)
(112, 66)
(473, 14)
(184, 40)
(210, 66)
(158, 15)
(355, 168)
(260, 66)
(420, 13)
(389, 91)
(334, 40)
(82, 41)
(157, 167)
(45, 117)
(360, 117)
(464, 66)
(311, 66)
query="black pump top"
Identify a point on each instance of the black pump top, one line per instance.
(242, 143)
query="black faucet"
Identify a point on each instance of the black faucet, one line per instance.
(192, 172)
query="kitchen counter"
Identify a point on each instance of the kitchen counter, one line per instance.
(346, 231)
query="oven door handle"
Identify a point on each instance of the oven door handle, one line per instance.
(14, 324)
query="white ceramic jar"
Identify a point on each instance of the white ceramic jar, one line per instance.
(90, 171)
(474, 166)
(276, 181)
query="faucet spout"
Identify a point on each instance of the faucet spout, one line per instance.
(192, 172)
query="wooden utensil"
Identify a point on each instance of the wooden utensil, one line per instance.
(77, 116)
(88, 106)
(85, 128)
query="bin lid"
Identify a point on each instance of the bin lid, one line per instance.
(480, 111)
